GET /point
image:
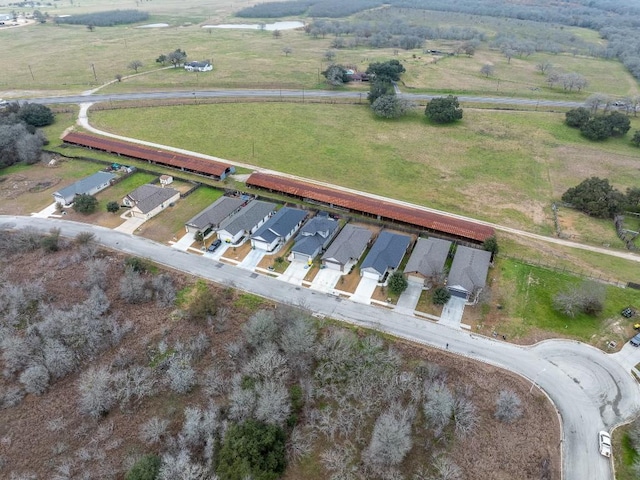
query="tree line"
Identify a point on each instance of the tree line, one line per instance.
(105, 19)
(597, 197)
(20, 139)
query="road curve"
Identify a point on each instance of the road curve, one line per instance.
(591, 390)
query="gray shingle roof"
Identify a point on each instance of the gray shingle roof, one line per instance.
(248, 217)
(280, 224)
(314, 234)
(428, 257)
(469, 268)
(387, 252)
(148, 197)
(85, 185)
(216, 213)
(348, 245)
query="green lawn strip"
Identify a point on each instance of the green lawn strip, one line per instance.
(118, 191)
(532, 305)
(624, 455)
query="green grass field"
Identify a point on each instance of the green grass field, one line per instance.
(506, 167)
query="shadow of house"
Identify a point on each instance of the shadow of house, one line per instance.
(87, 186)
(345, 251)
(468, 274)
(313, 237)
(147, 201)
(427, 260)
(278, 229)
(246, 221)
(385, 255)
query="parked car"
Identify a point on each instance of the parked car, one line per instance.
(604, 441)
(214, 246)
(635, 341)
(628, 312)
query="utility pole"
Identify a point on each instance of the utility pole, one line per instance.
(31, 72)
(93, 67)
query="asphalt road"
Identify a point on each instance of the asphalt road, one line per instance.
(288, 94)
(591, 390)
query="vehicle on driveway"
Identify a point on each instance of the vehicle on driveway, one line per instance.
(635, 341)
(628, 312)
(214, 246)
(604, 440)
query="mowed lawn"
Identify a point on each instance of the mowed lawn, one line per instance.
(506, 167)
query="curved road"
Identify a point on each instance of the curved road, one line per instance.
(591, 390)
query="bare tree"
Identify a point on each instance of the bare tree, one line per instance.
(276, 33)
(260, 329)
(391, 438)
(214, 381)
(438, 407)
(329, 55)
(180, 374)
(180, 466)
(273, 405)
(465, 415)
(287, 51)
(135, 65)
(241, 402)
(267, 365)
(35, 379)
(446, 469)
(597, 100)
(58, 358)
(508, 406)
(153, 430)
(95, 273)
(133, 287)
(97, 396)
(487, 69)
(544, 66)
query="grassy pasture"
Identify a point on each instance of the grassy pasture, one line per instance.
(507, 167)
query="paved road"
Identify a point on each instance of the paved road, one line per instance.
(287, 94)
(591, 390)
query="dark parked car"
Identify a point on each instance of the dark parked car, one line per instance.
(214, 246)
(628, 312)
(635, 341)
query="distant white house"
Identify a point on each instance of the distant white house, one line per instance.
(87, 186)
(198, 66)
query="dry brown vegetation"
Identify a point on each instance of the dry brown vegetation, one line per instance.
(49, 433)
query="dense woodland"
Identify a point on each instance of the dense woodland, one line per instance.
(105, 19)
(20, 139)
(124, 368)
(617, 22)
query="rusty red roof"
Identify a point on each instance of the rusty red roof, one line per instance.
(352, 201)
(177, 160)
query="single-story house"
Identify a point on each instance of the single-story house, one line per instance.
(250, 217)
(313, 237)
(87, 186)
(278, 229)
(427, 259)
(468, 274)
(345, 251)
(211, 217)
(147, 201)
(198, 66)
(385, 255)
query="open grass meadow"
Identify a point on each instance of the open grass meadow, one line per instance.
(50, 58)
(506, 167)
(526, 294)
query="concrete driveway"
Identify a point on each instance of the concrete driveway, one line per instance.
(219, 251)
(295, 273)
(251, 261)
(45, 213)
(326, 279)
(130, 225)
(452, 312)
(365, 290)
(409, 298)
(185, 242)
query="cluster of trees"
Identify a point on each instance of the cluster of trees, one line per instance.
(105, 19)
(312, 8)
(175, 58)
(596, 197)
(20, 141)
(444, 110)
(598, 126)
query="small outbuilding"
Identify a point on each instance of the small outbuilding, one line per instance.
(147, 201)
(87, 186)
(166, 180)
(468, 274)
(313, 237)
(385, 255)
(278, 229)
(427, 260)
(345, 251)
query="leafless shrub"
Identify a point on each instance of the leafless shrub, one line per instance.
(11, 396)
(465, 415)
(587, 297)
(438, 407)
(96, 273)
(445, 469)
(235, 351)
(133, 385)
(17, 353)
(180, 374)
(199, 425)
(153, 430)
(391, 438)
(273, 405)
(35, 379)
(198, 345)
(241, 402)
(267, 365)
(134, 287)
(84, 238)
(26, 240)
(339, 461)
(214, 382)
(96, 393)
(220, 321)
(57, 424)
(180, 467)
(97, 304)
(299, 444)
(19, 303)
(508, 406)
(260, 329)
(164, 288)
(58, 359)
(297, 341)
